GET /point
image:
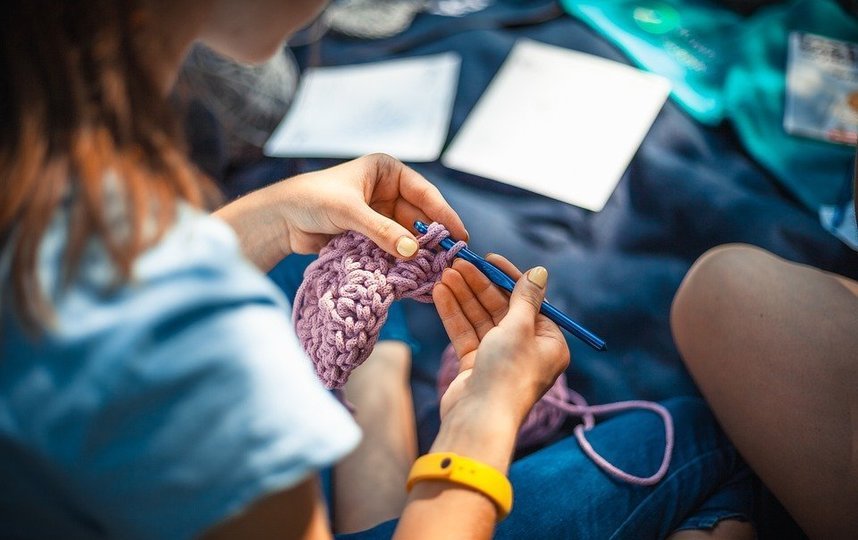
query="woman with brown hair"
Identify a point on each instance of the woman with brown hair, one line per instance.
(151, 385)
(150, 382)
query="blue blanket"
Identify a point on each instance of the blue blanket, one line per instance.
(689, 188)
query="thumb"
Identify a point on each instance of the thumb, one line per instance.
(385, 232)
(527, 296)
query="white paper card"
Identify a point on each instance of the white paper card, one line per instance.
(401, 107)
(558, 122)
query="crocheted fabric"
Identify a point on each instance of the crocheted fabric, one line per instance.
(343, 301)
(549, 413)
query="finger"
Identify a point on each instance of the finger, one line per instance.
(477, 315)
(385, 232)
(512, 271)
(493, 299)
(462, 334)
(424, 196)
(504, 264)
(526, 298)
(406, 213)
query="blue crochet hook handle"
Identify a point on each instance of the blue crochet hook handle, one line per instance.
(499, 278)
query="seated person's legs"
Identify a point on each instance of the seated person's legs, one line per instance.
(561, 493)
(369, 483)
(773, 346)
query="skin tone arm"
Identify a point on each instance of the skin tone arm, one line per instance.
(497, 339)
(772, 346)
(373, 195)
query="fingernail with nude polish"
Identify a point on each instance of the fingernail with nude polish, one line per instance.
(538, 276)
(406, 246)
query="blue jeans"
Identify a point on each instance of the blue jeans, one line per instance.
(560, 493)
(289, 273)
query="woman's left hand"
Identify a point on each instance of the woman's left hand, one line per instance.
(374, 195)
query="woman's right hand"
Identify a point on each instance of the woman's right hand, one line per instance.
(509, 354)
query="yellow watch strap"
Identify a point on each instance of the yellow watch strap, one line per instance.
(467, 472)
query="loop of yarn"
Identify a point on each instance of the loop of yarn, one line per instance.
(344, 299)
(548, 413)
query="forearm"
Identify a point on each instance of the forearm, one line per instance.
(260, 226)
(437, 509)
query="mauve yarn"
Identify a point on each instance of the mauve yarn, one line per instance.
(343, 301)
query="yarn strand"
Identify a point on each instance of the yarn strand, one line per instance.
(579, 407)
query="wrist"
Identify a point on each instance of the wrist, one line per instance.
(480, 429)
(259, 223)
(511, 396)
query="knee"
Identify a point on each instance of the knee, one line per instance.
(710, 296)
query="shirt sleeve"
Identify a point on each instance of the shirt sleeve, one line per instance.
(199, 399)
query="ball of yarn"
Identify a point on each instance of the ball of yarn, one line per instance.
(544, 419)
(343, 301)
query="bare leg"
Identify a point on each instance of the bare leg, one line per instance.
(370, 482)
(773, 346)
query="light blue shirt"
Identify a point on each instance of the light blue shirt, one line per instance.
(163, 407)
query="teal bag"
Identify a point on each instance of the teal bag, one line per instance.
(691, 42)
(813, 171)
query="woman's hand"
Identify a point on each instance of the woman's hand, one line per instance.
(375, 195)
(509, 354)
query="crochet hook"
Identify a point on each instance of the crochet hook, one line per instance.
(499, 278)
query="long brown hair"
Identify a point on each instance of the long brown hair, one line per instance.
(78, 105)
